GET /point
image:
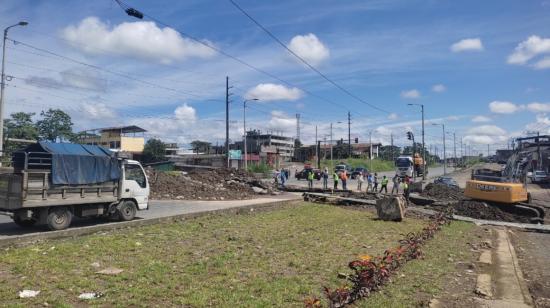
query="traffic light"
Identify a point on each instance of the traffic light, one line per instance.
(410, 136)
(356, 140)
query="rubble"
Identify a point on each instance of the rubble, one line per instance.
(442, 192)
(480, 210)
(391, 208)
(217, 184)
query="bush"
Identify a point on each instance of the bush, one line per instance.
(260, 168)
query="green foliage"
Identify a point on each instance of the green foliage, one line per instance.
(199, 146)
(375, 165)
(18, 126)
(154, 151)
(55, 124)
(260, 168)
(389, 152)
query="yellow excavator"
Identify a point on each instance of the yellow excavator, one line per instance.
(505, 189)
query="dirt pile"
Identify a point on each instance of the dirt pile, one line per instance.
(218, 184)
(442, 192)
(481, 210)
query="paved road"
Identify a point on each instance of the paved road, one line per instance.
(157, 208)
(352, 184)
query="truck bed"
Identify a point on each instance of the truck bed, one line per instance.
(32, 189)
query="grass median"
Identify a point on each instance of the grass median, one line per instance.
(266, 259)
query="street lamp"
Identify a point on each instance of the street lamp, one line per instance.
(244, 126)
(331, 162)
(444, 148)
(454, 147)
(3, 85)
(423, 144)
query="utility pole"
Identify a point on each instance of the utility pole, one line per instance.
(331, 167)
(3, 85)
(244, 129)
(370, 149)
(444, 148)
(316, 146)
(461, 151)
(454, 145)
(487, 151)
(227, 120)
(349, 134)
(298, 126)
(392, 152)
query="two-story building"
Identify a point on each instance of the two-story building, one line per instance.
(123, 138)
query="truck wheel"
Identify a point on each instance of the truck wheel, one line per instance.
(59, 218)
(24, 223)
(127, 211)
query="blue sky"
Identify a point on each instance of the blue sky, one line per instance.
(480, 67)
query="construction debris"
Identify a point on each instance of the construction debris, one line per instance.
(218, 184)
(480, 210)
(442, 192)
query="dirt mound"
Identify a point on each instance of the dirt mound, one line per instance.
(218, 184)
(481, 210)
(442, 192)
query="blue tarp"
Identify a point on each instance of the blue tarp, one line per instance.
(74, 164)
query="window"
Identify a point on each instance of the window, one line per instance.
(135, 173)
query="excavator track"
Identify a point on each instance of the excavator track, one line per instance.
(533, 212)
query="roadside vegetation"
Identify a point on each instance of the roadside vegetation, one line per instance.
(275, 258)
(376, 165)
(260, 168)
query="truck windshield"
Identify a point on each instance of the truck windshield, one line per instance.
(403, 163)
(135, 173)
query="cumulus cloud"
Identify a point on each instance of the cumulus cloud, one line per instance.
(481, 119)
(530, 48)
(471, 44)
(504, 107)
(280, 121)
(410, 94)
(309, 48)
(185, 113)
(140, 39)
(97, 111)
(541, 124)
(393, 116)
(539, 107)
(542, 64)
(273, 92)
(485, 134)
(439, 88)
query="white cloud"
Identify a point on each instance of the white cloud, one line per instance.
(530, 48)
(273, 92)
(410, 94)
(504, 107)
(471, 44)
(486, 134)
(97, 111)
(539, 107)
(282, 122)
(309, 48)
(140, 39)
(541, 124)
(393, 116)
(542, 64)
(185, 113)
(486, 130)
(439, 88)
(481, 119)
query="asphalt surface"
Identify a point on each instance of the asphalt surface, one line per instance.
(157, 209)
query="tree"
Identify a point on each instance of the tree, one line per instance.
(201, 146)
(55, 124)
(297, 143)
(389, 152)
(19, 126)
(154, 151)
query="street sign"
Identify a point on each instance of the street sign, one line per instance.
(235, 154)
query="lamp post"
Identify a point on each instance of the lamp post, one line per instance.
(423, 144)
(331, 139)
(244, 127)
(454, 147)
(3, 85)
(444, 148)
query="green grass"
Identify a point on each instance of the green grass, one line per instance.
(259, 168)
(265, 259)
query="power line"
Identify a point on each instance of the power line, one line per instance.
(305, 62)
(126, 7)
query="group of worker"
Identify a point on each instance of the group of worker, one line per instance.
(373, 181)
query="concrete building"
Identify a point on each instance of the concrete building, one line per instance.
(268, 148)
(124, 138)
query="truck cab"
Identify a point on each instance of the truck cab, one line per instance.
(135, 185)
(404, 166)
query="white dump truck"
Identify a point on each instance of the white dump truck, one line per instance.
(52, 182)
(404, 166)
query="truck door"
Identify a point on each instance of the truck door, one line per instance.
(135, 185)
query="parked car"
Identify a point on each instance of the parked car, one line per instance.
(355, 172)
(302, 175)
(539, 176)
(447, 181)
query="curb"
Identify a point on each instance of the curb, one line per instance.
(21, 240)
